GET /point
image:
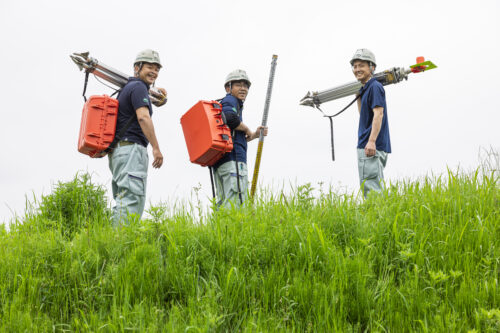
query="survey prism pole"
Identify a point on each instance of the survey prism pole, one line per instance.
(264, 123)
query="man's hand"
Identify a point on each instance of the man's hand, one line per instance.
(254, 135)
(149, 131)
(163, 91)
(158, 158)
(158, 96)
(370, 149)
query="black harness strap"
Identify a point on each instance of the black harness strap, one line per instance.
(118, 137)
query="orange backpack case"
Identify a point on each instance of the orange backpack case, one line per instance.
(98, 126)
(207, 136)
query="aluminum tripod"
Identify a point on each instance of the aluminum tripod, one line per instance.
(390, 76)
(113, 76)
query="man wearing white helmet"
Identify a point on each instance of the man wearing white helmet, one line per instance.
(231, 173)
(128, 162)
(374, 141)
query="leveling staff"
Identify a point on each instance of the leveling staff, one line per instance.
(374, 142)
(231, 172)
(129, 160)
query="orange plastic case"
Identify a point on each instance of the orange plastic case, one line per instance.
(98, 126)
(207, 137)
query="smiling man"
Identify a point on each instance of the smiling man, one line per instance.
(374, 142)
(128, 162)
(231, 172)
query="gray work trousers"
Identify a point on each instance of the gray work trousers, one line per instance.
(129, 166)
(227, 185)
(371, 171)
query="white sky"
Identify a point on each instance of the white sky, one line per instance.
(437, 119)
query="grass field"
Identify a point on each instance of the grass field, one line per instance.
(424, 256)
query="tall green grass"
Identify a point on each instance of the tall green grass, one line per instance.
(423, 256)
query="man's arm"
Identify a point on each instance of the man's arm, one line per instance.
(248, 132)
(378, 114)
(234, 123)
(148, 129)
(359, 103)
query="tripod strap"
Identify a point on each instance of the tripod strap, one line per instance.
(331, 122)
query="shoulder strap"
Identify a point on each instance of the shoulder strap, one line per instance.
(237, 105)
(238, 108)
(238, 111)
(118, 137)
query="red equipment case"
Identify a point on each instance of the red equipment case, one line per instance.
(207, 137)
(98, 126)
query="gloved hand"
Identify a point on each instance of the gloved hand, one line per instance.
(158, 96)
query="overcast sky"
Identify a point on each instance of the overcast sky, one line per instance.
(438, 119)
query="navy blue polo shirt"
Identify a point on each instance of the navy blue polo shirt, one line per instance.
(232, 108)
(134, 94)
(373, 96)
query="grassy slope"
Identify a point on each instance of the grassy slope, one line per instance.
(423, 258)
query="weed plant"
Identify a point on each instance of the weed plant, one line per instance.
(422, 256)
(71, 207)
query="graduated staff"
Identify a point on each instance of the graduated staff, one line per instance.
(128, 162)
(374, 142)
(231, 172)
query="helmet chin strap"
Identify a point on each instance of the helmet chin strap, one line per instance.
(136, 74)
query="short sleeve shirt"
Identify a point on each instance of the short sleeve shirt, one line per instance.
(373, 95)
(232, 105)
(135, 94)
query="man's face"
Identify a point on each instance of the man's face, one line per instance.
(361, 70)
(239, 89)
(148, 73)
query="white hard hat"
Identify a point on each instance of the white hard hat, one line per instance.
(149, 56)
(364, 54)
(237, 75)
